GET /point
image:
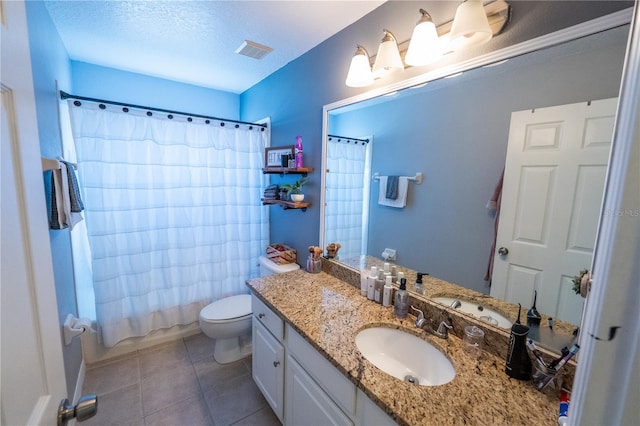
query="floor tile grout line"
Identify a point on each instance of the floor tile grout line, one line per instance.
(202, 393)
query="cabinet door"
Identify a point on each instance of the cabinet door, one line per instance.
(307, 403)
(268, 368)
(368, 413)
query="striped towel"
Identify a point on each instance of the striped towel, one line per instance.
(66, 203)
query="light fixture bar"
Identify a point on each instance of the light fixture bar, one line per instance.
(498, 13)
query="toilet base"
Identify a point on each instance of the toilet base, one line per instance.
(232, 349)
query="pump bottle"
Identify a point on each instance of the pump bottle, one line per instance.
(401, 303)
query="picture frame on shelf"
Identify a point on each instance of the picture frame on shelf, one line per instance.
(273, 155)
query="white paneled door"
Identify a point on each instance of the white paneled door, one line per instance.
(551, 198)
(32, 374)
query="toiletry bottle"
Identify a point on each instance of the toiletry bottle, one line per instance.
(394, 273)
(401, 302)
(298, 149)
(371, 282)
(518, 363)
(364, 281)
(379, 287)
(387, 291)
(400, 276)
(418, 287)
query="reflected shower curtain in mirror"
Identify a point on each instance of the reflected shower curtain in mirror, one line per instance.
(173, 214)
(347, 196)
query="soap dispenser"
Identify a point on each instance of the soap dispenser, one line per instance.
(401, 302)
(418, 287)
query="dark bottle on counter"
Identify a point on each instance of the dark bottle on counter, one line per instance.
(401, 302)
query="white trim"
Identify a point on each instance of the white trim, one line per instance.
(603, 388)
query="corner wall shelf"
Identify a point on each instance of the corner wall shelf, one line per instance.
(287, 204)
(286, 170)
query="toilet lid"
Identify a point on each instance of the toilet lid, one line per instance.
(227, 308)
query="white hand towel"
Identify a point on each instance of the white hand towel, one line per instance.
(401, 201)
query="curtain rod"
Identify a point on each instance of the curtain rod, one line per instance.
(65, 95)
(351, 139)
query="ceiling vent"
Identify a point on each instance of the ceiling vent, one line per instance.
(253, 50)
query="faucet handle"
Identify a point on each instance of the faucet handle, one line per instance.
(444, 327)
(421, 320)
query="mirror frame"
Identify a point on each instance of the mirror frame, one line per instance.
(594, 26)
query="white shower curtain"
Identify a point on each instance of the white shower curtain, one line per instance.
(347, 196)
(173, 214)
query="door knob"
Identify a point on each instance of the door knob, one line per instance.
(86, 408)
(503, 251)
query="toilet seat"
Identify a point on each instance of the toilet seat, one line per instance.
(226, 309)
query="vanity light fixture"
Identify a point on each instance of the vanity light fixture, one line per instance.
(388, 59)
(425, 46)
(473, 24)
(470, 26)
(360, 74)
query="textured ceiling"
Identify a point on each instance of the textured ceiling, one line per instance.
(195, 41)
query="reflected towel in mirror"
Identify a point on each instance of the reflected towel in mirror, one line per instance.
(392, 187)
(401, 201)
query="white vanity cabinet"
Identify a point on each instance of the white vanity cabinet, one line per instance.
(299, 383)
(306, 402)
(268, 355)
(332, 397)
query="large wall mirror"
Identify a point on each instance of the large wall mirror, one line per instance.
(456, 132)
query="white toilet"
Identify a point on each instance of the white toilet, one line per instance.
(228, 320)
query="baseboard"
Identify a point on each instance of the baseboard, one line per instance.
(80, 382)
(77, 393)
(93, 352)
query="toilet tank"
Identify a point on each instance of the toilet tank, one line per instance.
(267, 267)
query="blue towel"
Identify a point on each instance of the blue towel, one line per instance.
(392, 187)
(66, 203)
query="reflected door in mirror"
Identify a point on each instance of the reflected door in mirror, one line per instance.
(554, 177)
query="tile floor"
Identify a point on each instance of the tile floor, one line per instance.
(177, 383)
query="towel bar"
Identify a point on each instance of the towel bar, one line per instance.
(417, 178)
(53, 164)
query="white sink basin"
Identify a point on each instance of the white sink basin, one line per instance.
(481, 312)
(405, 356)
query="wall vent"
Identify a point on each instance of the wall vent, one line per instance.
(253, 49)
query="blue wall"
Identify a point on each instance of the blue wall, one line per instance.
(455, 131)
(99, 82)
(294, 95)
(50, 63)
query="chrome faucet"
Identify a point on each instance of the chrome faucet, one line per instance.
(443, 329)
(421, 320)
(455, 304)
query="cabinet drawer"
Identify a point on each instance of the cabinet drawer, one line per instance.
(263, 314)
(323, 372)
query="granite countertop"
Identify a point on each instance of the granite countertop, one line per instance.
(328, 313)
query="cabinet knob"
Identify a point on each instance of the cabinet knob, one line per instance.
(276, 363)
(260, 315)
(503, 251)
